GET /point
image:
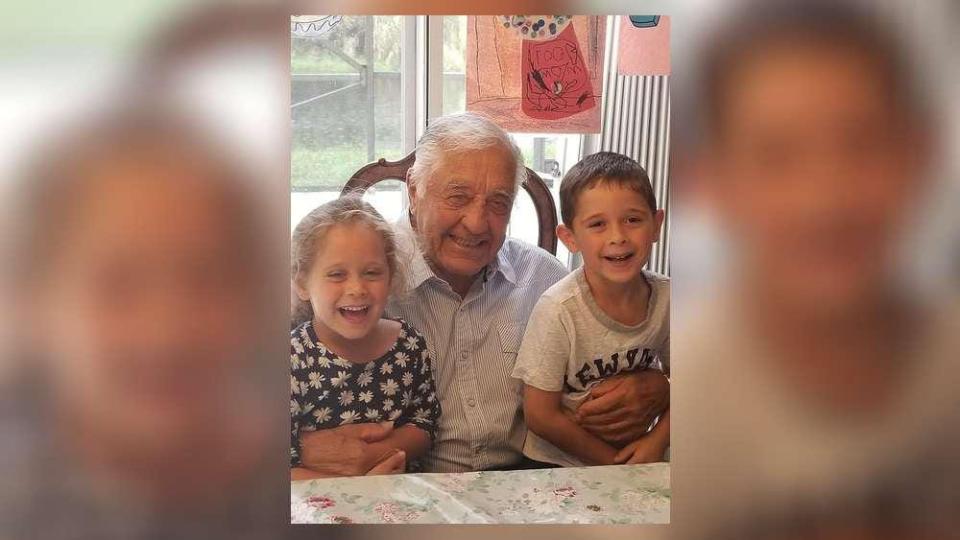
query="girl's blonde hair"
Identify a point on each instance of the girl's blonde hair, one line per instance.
(309, 233)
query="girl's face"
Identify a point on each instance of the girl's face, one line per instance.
(348, 284)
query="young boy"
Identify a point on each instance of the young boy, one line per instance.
(607, 317)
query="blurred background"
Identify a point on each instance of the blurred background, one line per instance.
(153, 156)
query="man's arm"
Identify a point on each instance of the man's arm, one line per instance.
(544, 416)
(345, 450)
(621, 408)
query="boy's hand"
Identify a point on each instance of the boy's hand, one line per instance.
(646, 449)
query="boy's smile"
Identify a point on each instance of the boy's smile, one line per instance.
(614, 230)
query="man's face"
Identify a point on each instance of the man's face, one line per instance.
(462, 217)
(811, 171)
(613, 230)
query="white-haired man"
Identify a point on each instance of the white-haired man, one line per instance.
(470, 290)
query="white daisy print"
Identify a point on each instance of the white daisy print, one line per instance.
(322, 415)
(389, 388)
(365, 378)
(309, 360)
(346, 397)
(394, 415)
(412, 343)
(316, 379)
(422, 415)
(372, 414)
(294, 386)
(306, 408)
(303, 388)
(340, 379)
(341, 362)
(297, 346)
(388, 404)
(324, 362)
(407, 398)
(295, 362)
(294, 408)
(407, 378)
(366, 396)
(386, 368)
(401, 359)
(348, 417)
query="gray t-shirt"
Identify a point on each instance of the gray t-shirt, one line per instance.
(570, 345)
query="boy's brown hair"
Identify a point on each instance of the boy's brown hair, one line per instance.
(602, 167)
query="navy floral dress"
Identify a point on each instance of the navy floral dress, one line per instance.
(327, 391)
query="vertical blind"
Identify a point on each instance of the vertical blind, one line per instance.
(636, 123)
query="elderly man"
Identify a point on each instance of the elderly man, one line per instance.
(470, 290)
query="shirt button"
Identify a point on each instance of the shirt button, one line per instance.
(464, 354)
(472, 402)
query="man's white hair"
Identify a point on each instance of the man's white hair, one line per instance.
(456, 133)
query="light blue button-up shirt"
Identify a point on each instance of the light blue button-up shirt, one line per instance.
(474, 343)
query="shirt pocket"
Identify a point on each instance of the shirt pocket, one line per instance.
(510, 334)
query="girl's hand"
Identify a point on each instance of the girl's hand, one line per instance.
(646, 449)
(395, 463)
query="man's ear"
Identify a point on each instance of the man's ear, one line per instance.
(412, 192)
(658, 218)
(566, 236)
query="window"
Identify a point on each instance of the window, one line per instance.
(345, 100)
(350, 102)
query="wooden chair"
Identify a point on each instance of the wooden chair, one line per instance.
(378, 171)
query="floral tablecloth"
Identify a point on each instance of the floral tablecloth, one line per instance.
(610, 494)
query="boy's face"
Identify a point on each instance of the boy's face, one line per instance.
(349, 282)
(613, 229)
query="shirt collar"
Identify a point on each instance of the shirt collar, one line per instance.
(418, 270)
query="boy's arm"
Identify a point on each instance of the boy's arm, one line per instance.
(545, 417)
(650, 447)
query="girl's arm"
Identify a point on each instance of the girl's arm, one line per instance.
(421, 417)
(411, 439)
(545, 417)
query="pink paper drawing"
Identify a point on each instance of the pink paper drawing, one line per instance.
(536, 73)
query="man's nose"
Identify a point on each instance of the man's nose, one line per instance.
(475, 218)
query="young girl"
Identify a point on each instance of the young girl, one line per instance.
(348, 363)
